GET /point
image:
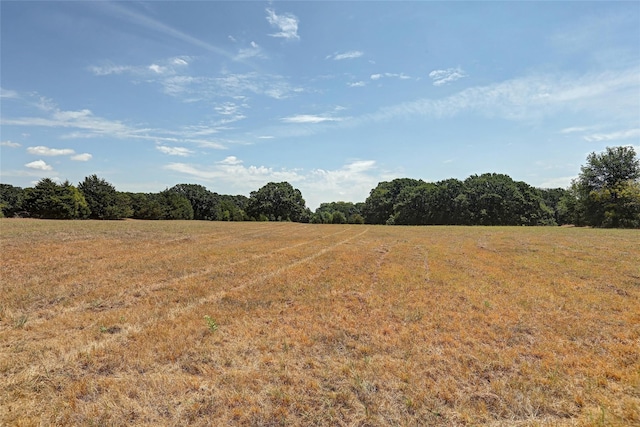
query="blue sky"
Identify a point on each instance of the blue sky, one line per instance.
(332, 97)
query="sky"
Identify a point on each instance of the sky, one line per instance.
(332, 97)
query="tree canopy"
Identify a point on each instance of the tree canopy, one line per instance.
(607, 191)
(55, 201)
(103, 200)
(277, 202)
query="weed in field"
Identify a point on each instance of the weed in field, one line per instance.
(211, 323)
(21, 321)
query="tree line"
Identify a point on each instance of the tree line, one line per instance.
(605, 194)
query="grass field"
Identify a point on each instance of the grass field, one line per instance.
(205, 323)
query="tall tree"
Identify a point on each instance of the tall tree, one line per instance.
(608, 188)
(10, 200)
(278, 202)
(205, 204)
(378, 208)
(55, 201)
(103, 199)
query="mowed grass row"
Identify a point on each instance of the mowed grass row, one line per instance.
(104, 323)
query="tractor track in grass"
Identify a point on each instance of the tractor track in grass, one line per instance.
(39, 317)
(47, 368)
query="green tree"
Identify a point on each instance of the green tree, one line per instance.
(11, 199)
(606, 189)
(103, 199)
(174, 205)
(55, 201)
(205, 204)
(278, 202)
(378, 208)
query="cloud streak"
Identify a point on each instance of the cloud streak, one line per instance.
(309, 118)
(613, 136)
(174, 151)
(442, 77)
(46, 151)
(152, 24)
(353, 54)
(84, 124)
(529, 98)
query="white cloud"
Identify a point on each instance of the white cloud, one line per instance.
(174, 151)
(230, 160)
(613, 136)
(309, 118)
(105, 70)
(347, 55)
(84, 157)
(9, 144)
(39, 165)
(287, 23)
(254, 51)
(401, 76)
(575, 129)
(84, 124)
(8, 94)
(232, 172)
(611, 95)
(441, 77)
(351, 182)
(46, 151)
(357, 84)
(559, 182)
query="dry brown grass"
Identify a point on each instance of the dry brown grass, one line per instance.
(102, 323)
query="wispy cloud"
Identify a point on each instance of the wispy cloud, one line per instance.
(84, 157)
(84, 124)
(147, 22)
(39, 165)
(357, 84)
(286, 23)
(401, 76)
(531, 98)
(174, 151)
(442, 77)
(8, 94)
(253, 51)
(309, 118)
(169, 66)
(46, 151)
(10, 144)
(575, 129)
(346, 55)
(613, 136)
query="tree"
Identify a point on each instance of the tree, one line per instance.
(11, 199)
(205, 204)
(174, 205)
(607, 189)
(378, 208)
(278, 202)
(103, 199)
(347, 213)
(55, 201)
